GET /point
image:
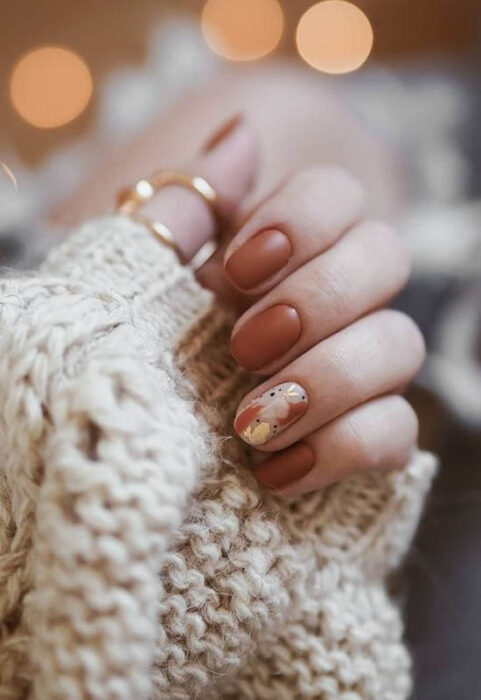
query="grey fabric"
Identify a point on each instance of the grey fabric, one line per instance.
(443, 612)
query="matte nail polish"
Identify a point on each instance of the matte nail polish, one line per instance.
(258, 258)
(266, 337)
(271, 413)
(222, 133)
(286, 467)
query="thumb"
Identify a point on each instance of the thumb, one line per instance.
(228, 161)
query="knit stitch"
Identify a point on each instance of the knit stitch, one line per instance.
(139, 558)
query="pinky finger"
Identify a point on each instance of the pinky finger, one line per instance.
(380, 434)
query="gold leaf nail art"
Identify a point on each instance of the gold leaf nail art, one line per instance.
(258, 435)
(271, 413)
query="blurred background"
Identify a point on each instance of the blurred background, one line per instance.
(77, 75)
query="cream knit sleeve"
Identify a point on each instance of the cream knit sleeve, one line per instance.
(138, 557)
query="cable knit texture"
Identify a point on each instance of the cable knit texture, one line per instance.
(138, 556)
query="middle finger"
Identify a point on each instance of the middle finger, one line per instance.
(362, 272)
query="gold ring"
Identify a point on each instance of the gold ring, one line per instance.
(131, 199)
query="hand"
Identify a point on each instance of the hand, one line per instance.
(319, 274)
(313, 276)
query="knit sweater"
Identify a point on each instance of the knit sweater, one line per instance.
(139, 558)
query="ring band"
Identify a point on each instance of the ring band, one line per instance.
(131, 199)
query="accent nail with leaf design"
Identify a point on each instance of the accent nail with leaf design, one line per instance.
(270, 413)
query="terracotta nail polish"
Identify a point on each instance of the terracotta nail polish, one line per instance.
(266, 337)
(286, 467)
(259, 258)
(221, 134)
(271, 413)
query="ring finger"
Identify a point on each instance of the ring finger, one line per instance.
(372, 357)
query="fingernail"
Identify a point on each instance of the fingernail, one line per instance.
(271, 413)
(222, 133)
(266, 337)
(286, 467)
(259, 258)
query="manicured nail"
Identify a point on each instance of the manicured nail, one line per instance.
(270, 413)
(266, 337)
(286, 467)
(221, 134)
(258, 258)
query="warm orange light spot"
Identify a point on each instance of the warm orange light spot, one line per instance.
(50, 86)
(334, 36)
(242, 30)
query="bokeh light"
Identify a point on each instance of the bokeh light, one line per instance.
(242, 30)
(334, 36)
(50, 86)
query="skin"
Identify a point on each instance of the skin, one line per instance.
(353, 356)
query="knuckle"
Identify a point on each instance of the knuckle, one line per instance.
(329, 176)
(359, 442)
(387, 241)
(403, 331)
(334, 287)
(404, 427)
(329, 179)
(389, 442)
(409, 420)
(315, 206)
(350, 374)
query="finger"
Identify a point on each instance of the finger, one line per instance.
(379, 435)
(362, 272)
(370, 358)
(299, 221)
(228, 163)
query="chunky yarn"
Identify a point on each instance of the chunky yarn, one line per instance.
(138, 556)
